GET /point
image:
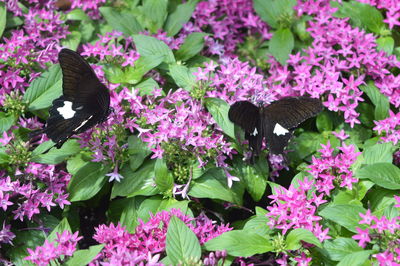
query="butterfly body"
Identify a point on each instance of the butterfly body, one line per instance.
(274, 122)
(85, 101)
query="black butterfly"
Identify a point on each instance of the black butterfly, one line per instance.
(85, 101)
(274, 122)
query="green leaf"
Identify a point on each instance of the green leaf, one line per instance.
(163, 180)
(219, 110)
(179, 17)
(182, 245)
(84, 256)
(272, 11)
(345, 215)
(385, 43)
(324, 122)
(193, 45)
(281, 45)
(240, 243)
(385, 175)
(379, 153)
(138, 151)
(44, 89)
(380, 199)
(24, 240)
(129, 215)
(295, 236)
(77, 14)
(143, 65)
(254, 178)
(341, 247)
(61, 227)
(56, 156)
(182, 76)
(147, 46)
(87, 181)
(380, 101)
(156, 13)
(356, 258)
(73, 40)
(3, 17)
(147, 87)
(213, 184)
(6, 121)
(123, 21)
(139, 182)
(306, 144)
(257, 224)
(77, 162)
(362, 15)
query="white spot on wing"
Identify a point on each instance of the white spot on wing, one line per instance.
(255, 132)
(66, 110)
(83, 123)
(280, 130)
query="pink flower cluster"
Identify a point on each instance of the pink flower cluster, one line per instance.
(32, 45)
(149, 238)
(230, 22)
(63, 245)
(329, 167)
(90, 6)
(391, 126)
(291, 208)
(381, 230)
(47, 191)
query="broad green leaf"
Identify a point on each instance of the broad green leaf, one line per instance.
(44, 89)
(258, 224)
(163, 180)
(24, 240)
(306, 144)
(193, 45)
(380, 199)
(156, 13)
(324, 122)
(139, 182)
(385, 43)
(385, 175)
(391, 212)
(60, 228)
(281, 45)
(138, 151)
(143, 65)
(6, 121)
(361, 15)
(347, 216)
(3, 17)
(182, 76)
(294, 237)
(77, 14)
(272, 11)
(123, 21)
(255, 180)
(56, 156)
(147, 46)
(84, 256)
(179, 17)
(147, 86)
(380, 101)
(341, 247)
(219, 110)
(356, 258)
(240, 243)
(182, 245)
(87, 181)
(379, 153)
(129, 214)
(366, 111)
(73, 40)
(213, 184)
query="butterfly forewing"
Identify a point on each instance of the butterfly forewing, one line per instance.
(291, 111)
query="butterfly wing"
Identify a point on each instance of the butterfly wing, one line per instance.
(247, 116)
(85, 101)
(281, 117)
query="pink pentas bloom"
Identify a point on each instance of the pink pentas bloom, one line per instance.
(64, 245)
(149, 238)
(6, 236)
(390, 126)
(362, 237)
